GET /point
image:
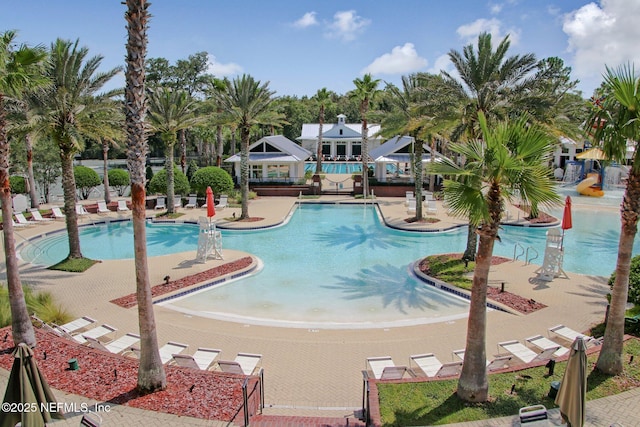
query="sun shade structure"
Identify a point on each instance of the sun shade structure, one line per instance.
(572, 395)
(27, 386)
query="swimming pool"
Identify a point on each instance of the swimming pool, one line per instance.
(343, 167)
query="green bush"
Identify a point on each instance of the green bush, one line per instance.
(634, 280)
(41, 304)
(119, 179)
(158, 184)
(86, 180)
(18, 184)
(192, 168)
(211, 176)
(148, 174)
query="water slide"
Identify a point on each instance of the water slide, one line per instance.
(585, 187)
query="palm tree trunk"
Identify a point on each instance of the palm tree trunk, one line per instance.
(69, 190)
(432, 178)
(183, 150)
(473, 385)
(170, 179)
(365, 154)
(610, 359)
(244, 170)
(220, 144)
(472, 241)
(21, 327)
(33, 195)
(417, 162)
(151, 374)
(105, 171)
(319, 147)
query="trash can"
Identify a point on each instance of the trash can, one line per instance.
(73, 364)
(553, 390)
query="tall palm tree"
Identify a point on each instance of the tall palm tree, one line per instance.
(151, 374)
(69, 108)
(20, 70)
(615, 121)
(365, 92)
(512, 157)
(247, 101)
(323, 98)
(488, 77)
(171, 111)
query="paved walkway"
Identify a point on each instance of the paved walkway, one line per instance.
(317, 372)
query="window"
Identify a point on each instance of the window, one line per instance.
(255, 171)
(277, 171)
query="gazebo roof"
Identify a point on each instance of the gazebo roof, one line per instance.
(274, 149)
(398, 150)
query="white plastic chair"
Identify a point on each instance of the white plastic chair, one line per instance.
(122, 206)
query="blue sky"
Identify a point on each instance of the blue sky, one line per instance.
(301, 46)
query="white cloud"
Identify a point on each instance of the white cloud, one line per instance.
(402, 59)
(222, 70)
(346, 25)
(495, 8)
(602, 34)
(493, 26)
(442, 63)
(307, 20)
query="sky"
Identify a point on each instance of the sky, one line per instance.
(301, 46)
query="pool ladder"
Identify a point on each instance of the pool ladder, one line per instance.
(519, 250)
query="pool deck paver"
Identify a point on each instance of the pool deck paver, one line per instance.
(317, 372)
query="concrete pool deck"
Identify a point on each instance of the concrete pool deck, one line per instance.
(316, 372)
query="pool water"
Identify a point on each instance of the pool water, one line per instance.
(342, 167)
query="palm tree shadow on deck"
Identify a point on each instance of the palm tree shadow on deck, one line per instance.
(394, 285)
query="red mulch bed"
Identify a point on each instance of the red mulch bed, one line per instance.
(513, 301)
(112, 378)
(129, 301)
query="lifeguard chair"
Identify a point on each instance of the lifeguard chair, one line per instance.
(553, 257)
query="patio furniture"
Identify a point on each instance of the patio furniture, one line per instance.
(102, 208)
(519, 350)
(122, 206)
(161, 203)
(202, 359)
(243, 364)
(192, 202)
(37, 216)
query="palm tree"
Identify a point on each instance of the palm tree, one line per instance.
(151, 374)
(512, 158)
(69, 108)
(20, 70)
(323, 98)
(171, 111)
(488, 78)
(365, 92)
(247, 101)
(615, 121)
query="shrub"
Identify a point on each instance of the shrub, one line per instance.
(158, 184)
(18, 184)
(119, 179)
(192, 169)
(211, 176)
(148, 174)
(41, 304)
(86, 180)
(634, 280)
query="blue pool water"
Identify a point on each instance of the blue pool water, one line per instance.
(342, 167)
(336, 265)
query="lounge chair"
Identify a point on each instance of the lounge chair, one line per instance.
(79, 324)
(56, 213)
(177, 202)
(408, 195)
(525, 354)
(117, 346)
(432, 207)
(411, 207)
(99, 332)
(544, 343)
(428, 365)
(222, 203)
(122, 206)
(192, 202)
(383, 368)
(243, 364)
(202, 359)
(18, 225)
(80, 210)
(570, 335)
(37, 216)
(161, 203)
(21, 220)
(499, 362)
(102, 208)
(169, 349)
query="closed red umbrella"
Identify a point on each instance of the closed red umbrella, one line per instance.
(566, 218)
(211, 208)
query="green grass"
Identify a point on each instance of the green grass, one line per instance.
(435, 402)
(40, 303)
(79, 265)
(451, 270)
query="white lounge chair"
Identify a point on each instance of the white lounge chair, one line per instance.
(99, 332)
(56, 213)
(427, 363)
(544, 343)
(202, 359)
(18, 225)
(432, 207)
(408, 195)
(243, 364)
(80, 210)
(79, 324)
(169, 349)
(570, 335)
(411, 207)
(177, 202)
(122, 206)
(222, 203)
(499, 362)
(192, 202)
(525, 354)
(383, 368)
(37, 216)
(161, 203)
(102, 208)
(21, 220)
(117, 346)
